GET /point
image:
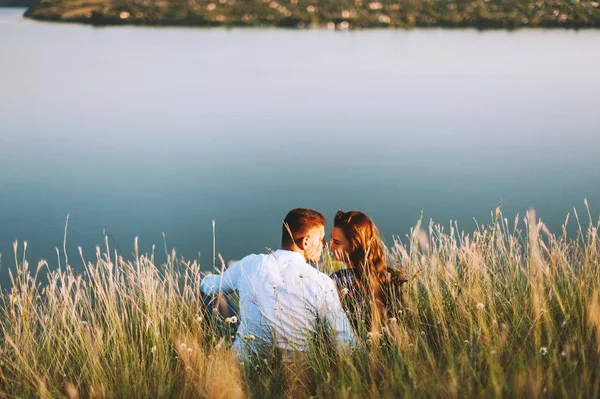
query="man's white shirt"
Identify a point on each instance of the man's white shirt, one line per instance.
(281, 298)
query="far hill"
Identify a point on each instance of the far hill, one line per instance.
(17, 3)
(333, 14)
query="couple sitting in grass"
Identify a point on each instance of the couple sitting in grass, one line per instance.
(283, 299)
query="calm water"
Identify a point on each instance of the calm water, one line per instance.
(140, 131)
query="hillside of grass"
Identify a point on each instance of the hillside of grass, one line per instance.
(509, 310)
(332, 14)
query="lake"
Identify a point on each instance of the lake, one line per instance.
(144, 131)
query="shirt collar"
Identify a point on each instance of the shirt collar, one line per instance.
(284, 255)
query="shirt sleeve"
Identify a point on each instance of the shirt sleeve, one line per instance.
(227, 281)
(335, 316)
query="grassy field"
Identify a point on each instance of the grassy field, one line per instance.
(509, 310)
(333, 14)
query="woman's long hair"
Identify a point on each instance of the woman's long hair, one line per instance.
(367, 258)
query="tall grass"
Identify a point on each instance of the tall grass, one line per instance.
(508, 310)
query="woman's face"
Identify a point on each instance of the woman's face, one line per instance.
(340, 246)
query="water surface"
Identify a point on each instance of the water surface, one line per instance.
(140, 131)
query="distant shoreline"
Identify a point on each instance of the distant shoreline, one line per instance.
(302, 14)
(17, 3)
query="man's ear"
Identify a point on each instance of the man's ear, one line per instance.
(303, 243)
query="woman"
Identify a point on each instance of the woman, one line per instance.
(370, 291)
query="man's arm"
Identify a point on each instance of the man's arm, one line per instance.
(227, 281)
(334, 314)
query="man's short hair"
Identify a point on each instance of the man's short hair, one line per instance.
(297, 223)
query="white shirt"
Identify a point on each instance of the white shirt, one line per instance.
(281, 297)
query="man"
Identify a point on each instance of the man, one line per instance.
(282, 297)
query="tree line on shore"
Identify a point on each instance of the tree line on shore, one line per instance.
(332, 14)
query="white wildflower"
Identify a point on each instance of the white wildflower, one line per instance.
(250, 338)
(231, 320)
(480, 306)
(345, 291)
(189, 350)
(544, 350)
(393, 320)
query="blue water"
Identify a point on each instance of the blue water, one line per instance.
(145, 131)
